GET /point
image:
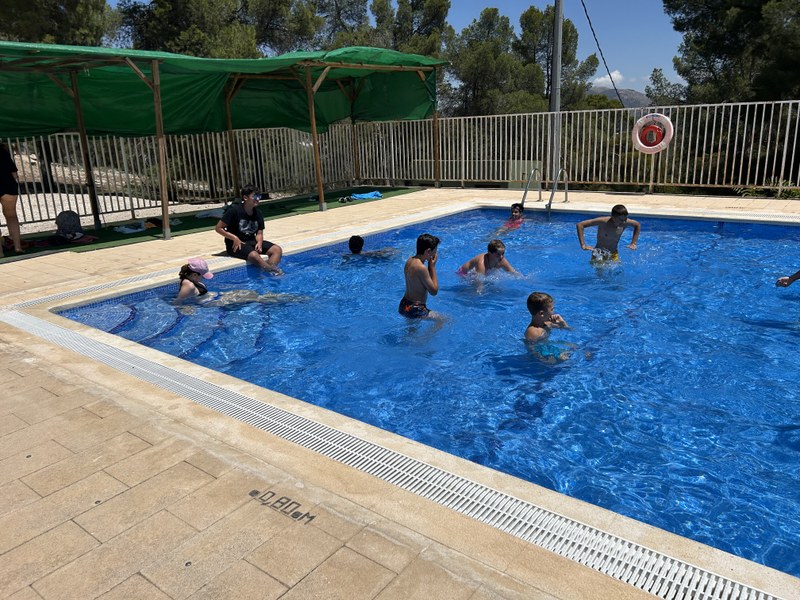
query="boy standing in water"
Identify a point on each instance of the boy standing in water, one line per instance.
(609, 231)
(420, 279)
(543, 319)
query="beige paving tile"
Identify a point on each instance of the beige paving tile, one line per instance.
(510, 589)
(344, 576)
(243, 582)
(151, 432)
(115, 561)
(97, 430)
(135, 587)
(58, 428)
(27, 593)
(425, 579)
(7, 374)
(34, 559)
(209, 463)
(21, 393)
(81, 465)
(31, 460)
(141, 501)
(36, 412)
(342, 518)
(14, 495)
(148, 462)
(461, 533)
(102, 408)
(37, 517)
(544, 570)
(10, 423)
(389, 544)
(294, 552)
(216, 499)
(209, 553)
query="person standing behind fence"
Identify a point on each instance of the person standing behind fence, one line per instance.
(9, 191)
(242, 226)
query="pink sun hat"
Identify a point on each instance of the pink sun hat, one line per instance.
(199, 266)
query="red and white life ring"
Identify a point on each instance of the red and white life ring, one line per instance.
(652, 133)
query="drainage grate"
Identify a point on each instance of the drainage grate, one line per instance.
(642, 567)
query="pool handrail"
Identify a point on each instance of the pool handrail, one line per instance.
(528, 183)
(561, 171)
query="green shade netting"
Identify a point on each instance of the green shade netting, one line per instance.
(116, 101)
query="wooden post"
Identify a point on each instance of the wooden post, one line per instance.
(87, 164)
(314, 139)
(356, 162)
(437, 174)
(234, 158)
(162, 149)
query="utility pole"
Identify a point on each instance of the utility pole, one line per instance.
(555, 90)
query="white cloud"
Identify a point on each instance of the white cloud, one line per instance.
(605, 81)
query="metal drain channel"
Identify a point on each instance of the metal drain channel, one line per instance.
(642, 567)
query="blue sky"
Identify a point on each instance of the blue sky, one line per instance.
(636, 36)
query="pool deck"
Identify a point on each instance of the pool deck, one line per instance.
(112, 487)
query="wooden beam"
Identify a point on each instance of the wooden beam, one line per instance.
(61, 84)
(320, 79)
(139, 72)
(340, 65)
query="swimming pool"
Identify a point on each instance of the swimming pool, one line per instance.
(676, 408)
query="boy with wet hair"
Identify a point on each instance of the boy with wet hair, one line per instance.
(421, 279)
(356, 244)
(543, 319)
(493, 258)
(609, 231)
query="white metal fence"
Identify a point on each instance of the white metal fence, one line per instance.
(749, 145)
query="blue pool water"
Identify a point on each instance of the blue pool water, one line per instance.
(678, 407)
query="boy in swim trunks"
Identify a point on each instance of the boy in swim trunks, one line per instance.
(242, 226)
(494, 258)
(609, 231)
(421, 279)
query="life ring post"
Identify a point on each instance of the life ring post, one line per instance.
(652, 133)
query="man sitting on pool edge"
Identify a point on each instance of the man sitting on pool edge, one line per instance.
(420, 279)
(609, 231)
(242, 226)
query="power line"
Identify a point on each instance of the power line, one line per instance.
(599, 49)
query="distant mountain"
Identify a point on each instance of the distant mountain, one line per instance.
(630, 98)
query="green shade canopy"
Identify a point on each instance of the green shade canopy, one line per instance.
(365, 84)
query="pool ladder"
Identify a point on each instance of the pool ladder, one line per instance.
(535, 170)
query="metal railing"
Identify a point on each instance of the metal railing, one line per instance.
(747, 145)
